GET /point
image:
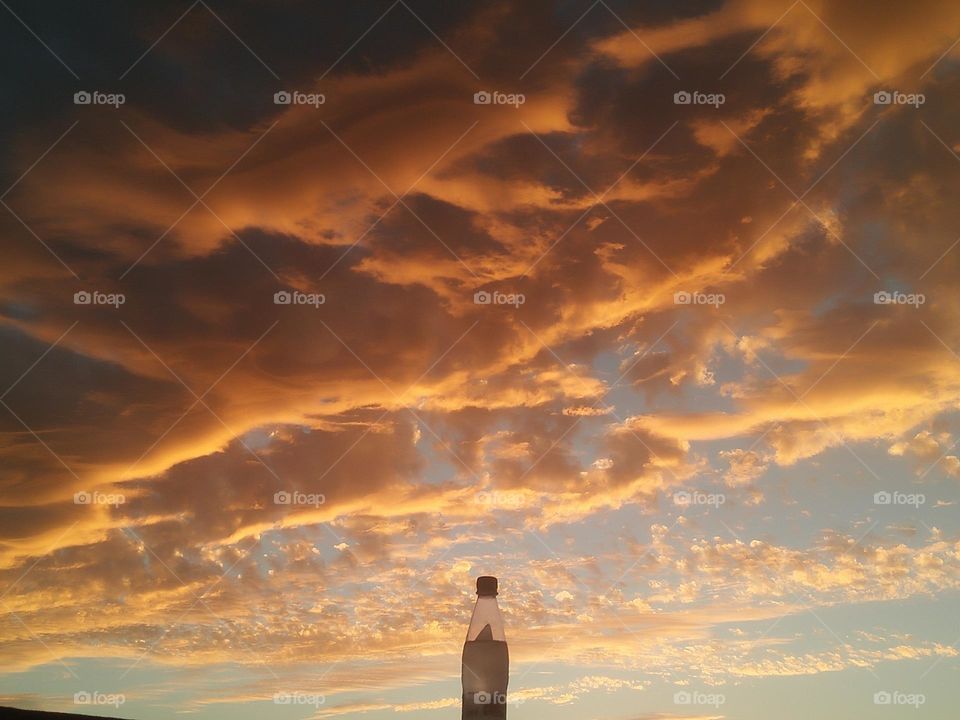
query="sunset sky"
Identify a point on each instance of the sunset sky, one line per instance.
(649, 309)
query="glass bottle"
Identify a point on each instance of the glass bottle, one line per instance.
(485, 666)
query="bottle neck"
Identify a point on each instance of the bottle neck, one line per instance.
(486, 623)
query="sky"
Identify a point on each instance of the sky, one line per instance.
(311, 313)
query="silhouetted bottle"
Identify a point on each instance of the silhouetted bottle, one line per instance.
(486, 664)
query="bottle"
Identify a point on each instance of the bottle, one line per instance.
(485, 664)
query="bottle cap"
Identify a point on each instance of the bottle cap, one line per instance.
(487, 586)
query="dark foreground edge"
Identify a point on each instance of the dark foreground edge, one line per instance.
(17, 714)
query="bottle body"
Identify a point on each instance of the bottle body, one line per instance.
(485, 666)
(486, 670)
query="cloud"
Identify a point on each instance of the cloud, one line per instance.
(745, 466)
